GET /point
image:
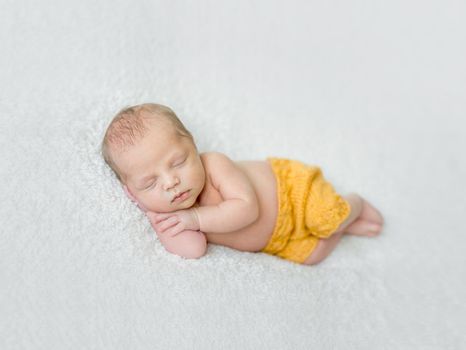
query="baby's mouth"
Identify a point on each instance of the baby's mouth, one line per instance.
(179, 195)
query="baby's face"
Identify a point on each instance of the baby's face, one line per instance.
(159, 167)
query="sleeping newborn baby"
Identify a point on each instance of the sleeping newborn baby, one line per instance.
(279, 206)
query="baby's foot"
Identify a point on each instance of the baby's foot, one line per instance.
(370, 213)
(362, 227)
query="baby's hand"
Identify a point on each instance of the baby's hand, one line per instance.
(171, 224)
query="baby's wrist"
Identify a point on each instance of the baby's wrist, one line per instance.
(197, 218)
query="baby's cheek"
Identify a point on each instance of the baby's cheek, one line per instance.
(152, 202)
(140, 204)
(142, 207)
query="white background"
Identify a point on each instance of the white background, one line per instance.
(374, 92)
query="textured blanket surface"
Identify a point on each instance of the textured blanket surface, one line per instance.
(373, 92)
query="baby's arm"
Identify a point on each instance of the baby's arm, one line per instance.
(188, 243)
(240, 207)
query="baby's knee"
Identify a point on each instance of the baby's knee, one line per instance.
(198, 247)
(319, 254)
(323, 249)
(314, 259)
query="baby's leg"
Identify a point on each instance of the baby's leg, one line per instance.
(364, 220)
(368, 223)
(324, 247)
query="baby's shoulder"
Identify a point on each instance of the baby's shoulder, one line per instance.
(211, 158)
(218, 166)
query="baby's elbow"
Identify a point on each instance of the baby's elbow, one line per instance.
(198, 249)
(188, 244)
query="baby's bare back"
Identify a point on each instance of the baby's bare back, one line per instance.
(255, 236)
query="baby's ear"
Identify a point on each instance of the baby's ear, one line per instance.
(129, 194)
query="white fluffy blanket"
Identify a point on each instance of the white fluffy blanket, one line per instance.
(373, 92)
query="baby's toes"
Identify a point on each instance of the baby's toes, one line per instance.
(374, 229)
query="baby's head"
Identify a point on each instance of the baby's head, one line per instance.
(155, 158)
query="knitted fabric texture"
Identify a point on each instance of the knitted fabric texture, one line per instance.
(308, 209)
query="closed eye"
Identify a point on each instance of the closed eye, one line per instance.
(151, 185)
(181, 162)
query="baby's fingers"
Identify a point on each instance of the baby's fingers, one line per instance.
(155, 218)
(168, 223)
(175, 230)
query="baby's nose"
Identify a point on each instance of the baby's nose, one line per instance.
(171, 182)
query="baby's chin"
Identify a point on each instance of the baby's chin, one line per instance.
(186, 204)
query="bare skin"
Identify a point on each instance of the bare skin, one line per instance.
(364, 220)
(221, 201)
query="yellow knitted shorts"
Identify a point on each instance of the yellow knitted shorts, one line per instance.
(308, 209)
